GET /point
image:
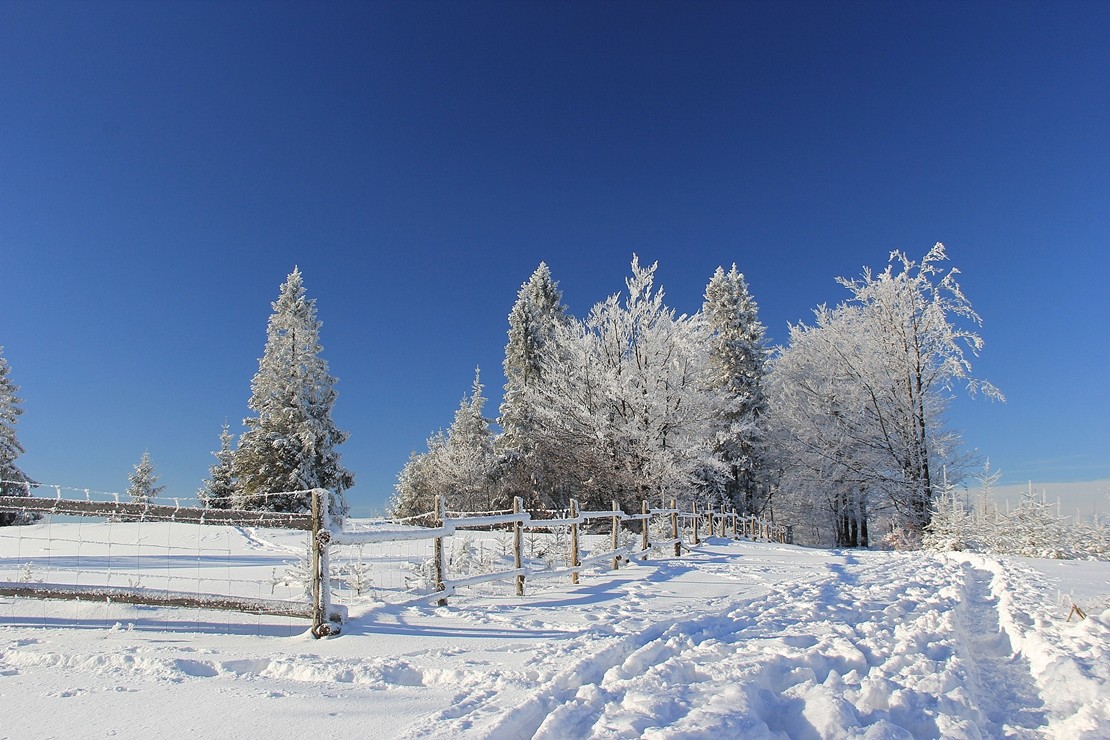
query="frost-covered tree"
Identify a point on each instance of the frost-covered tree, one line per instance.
(290, 443)
(420, 481)
(623, 406)
(13, 481)
(952, 526)
(863, 390)
(533, 320)
(460, 465)
(468, 459)
(737, 354)
(143, 481)
(220, 489)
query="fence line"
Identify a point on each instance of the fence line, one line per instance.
(666, 529)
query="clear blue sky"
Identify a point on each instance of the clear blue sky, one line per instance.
(163, 166)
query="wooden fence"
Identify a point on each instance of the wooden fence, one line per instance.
(673, 530)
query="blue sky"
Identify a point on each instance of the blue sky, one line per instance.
(163, 166)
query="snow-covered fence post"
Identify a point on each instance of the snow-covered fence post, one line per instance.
(616, 534)
(437, 550)
(735, 525)
(518, 562)
(724, 518)
(314, 564)
(674, 528)
(696, 540)
(574, 561)
(644, 544)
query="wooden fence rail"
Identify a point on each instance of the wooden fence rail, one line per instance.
(325, 533)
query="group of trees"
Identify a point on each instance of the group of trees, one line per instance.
(288, 448)
(839, 432)
(1031, 528)
(632, 402)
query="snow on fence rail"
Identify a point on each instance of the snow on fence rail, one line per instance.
(352, 562)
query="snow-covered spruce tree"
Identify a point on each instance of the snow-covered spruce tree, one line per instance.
(468, 460)
(952, 524)
(220, 489)
(419, 482)
(289, 446)
(459, 465)
(143, 481)
(737, 354)
(533, 322)
(13, 481)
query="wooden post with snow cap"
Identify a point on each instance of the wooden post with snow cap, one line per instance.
(616, 534)
(644, 543)
(697, 540)
(518, 560)
(437, 550)
(574, 561)
(674, 528)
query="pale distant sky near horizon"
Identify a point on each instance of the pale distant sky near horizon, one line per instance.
(164, 166)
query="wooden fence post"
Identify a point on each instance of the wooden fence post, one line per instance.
(616, 534)
(645, 544)
(319, 613)
(574, 561)
(723, 521)
(518, 556)
(697, 540)
(674, 528)
(437, 550)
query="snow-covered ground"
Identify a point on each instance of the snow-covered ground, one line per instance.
(735, 639)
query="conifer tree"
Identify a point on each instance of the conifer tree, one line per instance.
(532, 321)
(738, 352)
(143, 480)
(220, 489)
(13, 482)
(289, 446)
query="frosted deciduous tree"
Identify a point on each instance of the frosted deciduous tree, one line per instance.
(864, 389)
(143, 481)
(220, 489)
(290, 443)
(737, 354)
(13, 481)
(623, 404)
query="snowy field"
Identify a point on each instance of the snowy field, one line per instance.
(734, 640)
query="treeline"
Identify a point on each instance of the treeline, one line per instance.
(288, 447)
(839, 432)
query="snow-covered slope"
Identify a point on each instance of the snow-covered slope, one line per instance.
(733, 640)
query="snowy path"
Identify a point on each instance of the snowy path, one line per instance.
(735, 640)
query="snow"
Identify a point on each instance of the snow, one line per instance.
(734, 639)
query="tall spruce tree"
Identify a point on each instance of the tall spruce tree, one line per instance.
(535, 315)
(220, 489)
(289, 446)
(533, 322)
(13, 482)
(738, 353)
(143, 480)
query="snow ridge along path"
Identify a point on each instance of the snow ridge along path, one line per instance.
(733, 640)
